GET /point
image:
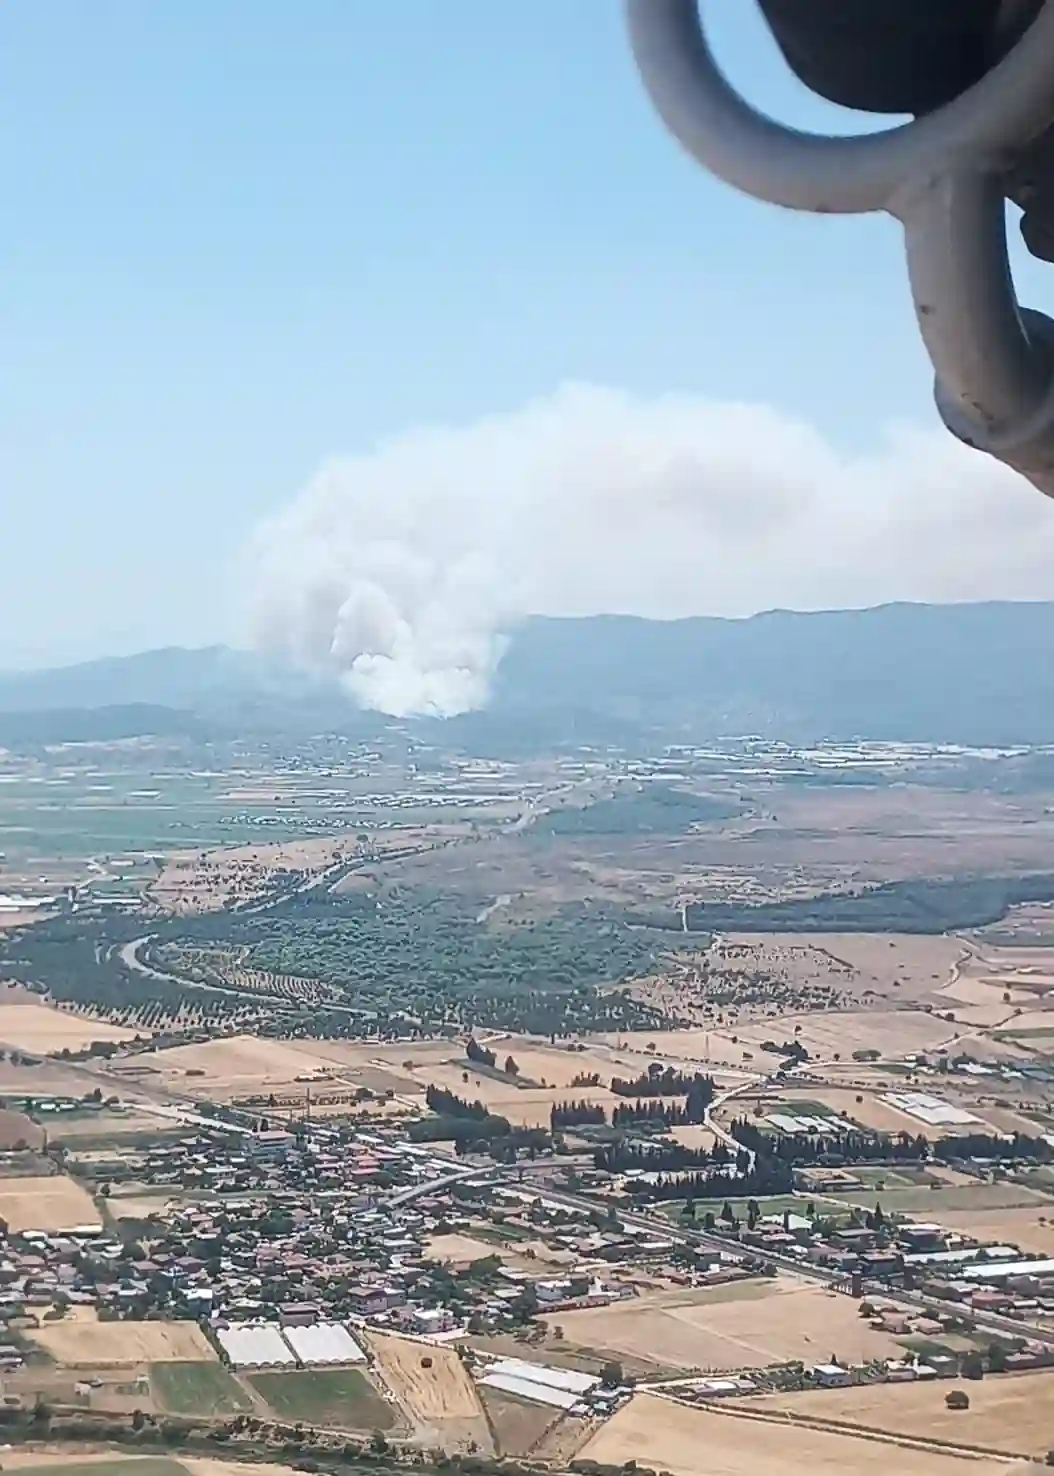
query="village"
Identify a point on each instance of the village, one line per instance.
(321, 1245)
(829, 1200)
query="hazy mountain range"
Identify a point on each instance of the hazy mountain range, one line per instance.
(978, 674)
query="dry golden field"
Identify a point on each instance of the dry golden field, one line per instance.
(431, 1383)
(458, 1250)
(50, 1202)
(41, 1029)
(664, 1435)
(1012, 1412)
(86, 1343)
(749, 1325)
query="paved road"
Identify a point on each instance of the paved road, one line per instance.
(790, 1265)
(429, 1186)
(129, 956)
(715, 1127)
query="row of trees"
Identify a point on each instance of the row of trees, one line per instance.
(1020, 1147)
(656, 1113)
(458, 1120)
(856, 1147)
(662, 1156)
(645, 1111)
(766, 1177)
(576, 1114)
(449, 1104)
(659, 1081)
(459, 1130)
(864, 1147)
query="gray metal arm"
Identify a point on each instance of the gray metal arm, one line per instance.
(940, 176)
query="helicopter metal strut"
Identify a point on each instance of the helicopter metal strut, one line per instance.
(942, 176)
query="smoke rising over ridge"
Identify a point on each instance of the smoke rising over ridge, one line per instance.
(404, 571)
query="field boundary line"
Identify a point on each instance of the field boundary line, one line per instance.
(825, 1425)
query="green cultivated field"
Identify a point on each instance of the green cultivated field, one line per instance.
(197, 1388)
(341, 1397)
(921, 1201)
(768, 1204)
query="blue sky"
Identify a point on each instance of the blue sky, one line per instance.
(244, 235)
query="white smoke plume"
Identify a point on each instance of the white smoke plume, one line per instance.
(404, 570)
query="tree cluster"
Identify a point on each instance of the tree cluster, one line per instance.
(1019, 1146)
(659, 1081)
(915, 906)
(479, 1054)
(449, 1104)
(816, 1148)
(656, 1113)
(792, 1050)
(766, 1177)
(662, 1156)
(576, 1114)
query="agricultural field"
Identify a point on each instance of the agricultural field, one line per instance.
(78, 1340)
(1031, 1226)
(48, 1202)
(431, 1384)
(852, 965)
(243, 1066)
(981, 990)
(865, 1108)
(1013, 1413)
(112, 813)
(234, 1066)
(207, 881)
(184, 1387)
(768, 1204)
(750, 1324)
(57, 1459)
(17, 1128)
(553, 1066)
(337, 1398)
(74, 1460)
(130, 1125)
(518, 1424)
(693, 1135)
(43, 1030)
(836, 1034)
(701, 1049)
(457, 1250)
(957, 1206)
(138, 1202)
(823, 838)
(664, 1435)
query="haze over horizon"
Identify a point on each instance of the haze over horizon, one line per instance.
(369, 394)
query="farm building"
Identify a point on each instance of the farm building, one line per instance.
(255, 1345)
(323, 1342)
(930, 1110)
(560, 1387)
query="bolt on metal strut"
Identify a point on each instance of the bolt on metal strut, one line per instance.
(942, 176)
